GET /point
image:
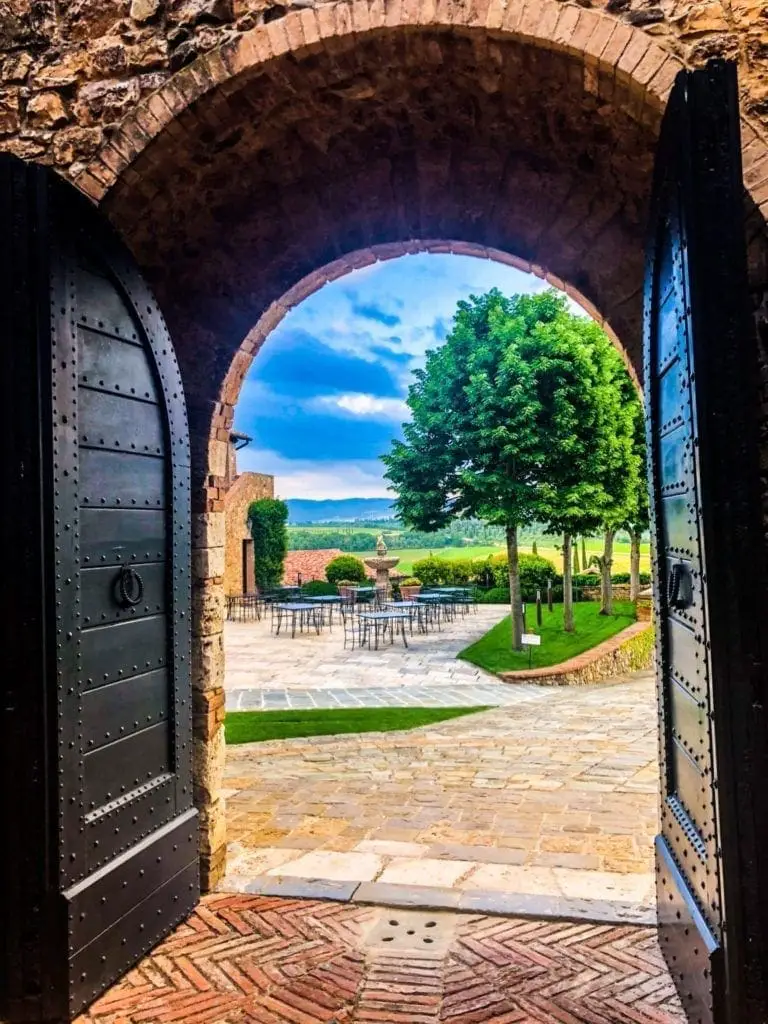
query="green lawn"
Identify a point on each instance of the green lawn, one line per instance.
(257, 726)
(493, 652)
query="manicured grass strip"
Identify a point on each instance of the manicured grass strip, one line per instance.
(493, 651)
(257, 726)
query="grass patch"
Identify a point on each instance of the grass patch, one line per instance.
(258, 726)
(493, 651)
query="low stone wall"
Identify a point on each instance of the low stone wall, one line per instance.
(628, 651)
(620, 592)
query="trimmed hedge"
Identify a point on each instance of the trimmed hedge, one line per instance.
(345, 567)
(319, 588)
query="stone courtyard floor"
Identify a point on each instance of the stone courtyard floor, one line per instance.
(267, 672)
(261, 960)
(546, 805)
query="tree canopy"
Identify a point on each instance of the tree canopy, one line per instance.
(518, 417)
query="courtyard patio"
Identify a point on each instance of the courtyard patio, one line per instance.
(546, 804)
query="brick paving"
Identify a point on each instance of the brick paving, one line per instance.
(552, 797)
(263, 960)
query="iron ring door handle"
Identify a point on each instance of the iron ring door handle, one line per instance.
(130, 587)
(679, 587)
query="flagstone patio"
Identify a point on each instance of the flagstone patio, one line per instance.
(548, 805)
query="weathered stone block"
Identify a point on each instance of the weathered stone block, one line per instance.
(207, 608)
(208, 661)
(207, 563)
(209, 766)
(208, 529)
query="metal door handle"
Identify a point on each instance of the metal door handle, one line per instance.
(129, 586)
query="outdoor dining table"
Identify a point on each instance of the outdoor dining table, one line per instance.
(328, 601)
(387, 619)
(300, 611)
(413, 611)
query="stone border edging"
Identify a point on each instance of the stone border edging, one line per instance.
(425, 897)
(627, 651)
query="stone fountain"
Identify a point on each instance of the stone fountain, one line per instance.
(381, 564)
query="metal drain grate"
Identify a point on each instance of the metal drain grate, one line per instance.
(412, 930)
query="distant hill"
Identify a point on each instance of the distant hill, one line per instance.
(338, 510)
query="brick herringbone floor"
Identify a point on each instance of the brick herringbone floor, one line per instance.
(259, 960)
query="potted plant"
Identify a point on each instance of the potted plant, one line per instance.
(347, 588)
(410, 588)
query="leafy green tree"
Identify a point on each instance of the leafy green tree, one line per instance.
(500, 420)
(583, 554)
(576, 566)
(638, 514)
(625, 484)
(534, 549)
(266, 520)
(586, 493)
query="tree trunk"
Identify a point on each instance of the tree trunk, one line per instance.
(634, 564)
(567, 584)
(606, 565)
(515, 600)
(584, 554)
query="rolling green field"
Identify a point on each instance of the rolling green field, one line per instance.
(545, 549)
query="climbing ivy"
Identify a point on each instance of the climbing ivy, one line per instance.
(266, 519)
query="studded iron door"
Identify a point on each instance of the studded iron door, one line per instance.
(100, 858)
(700, 387)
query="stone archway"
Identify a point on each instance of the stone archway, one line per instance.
(355, 129)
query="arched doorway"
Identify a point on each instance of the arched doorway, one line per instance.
(527, 131)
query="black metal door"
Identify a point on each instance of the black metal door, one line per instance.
(701, 394)
(99, 850)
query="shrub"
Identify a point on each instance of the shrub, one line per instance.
(345, 569)
(496, 595)
(410, 581)
(318, 588)
(534, 573)
(586, 579)
(431, 571)
(266, 519)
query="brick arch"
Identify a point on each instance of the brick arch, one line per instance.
(540, 144)
(313, 282)
(599, 40)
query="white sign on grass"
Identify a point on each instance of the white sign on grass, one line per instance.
(531, 639)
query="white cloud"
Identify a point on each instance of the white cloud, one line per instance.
(359, 404)
(304, 478)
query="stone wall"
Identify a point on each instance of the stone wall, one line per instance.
(247, 487)
(620, 592)
(628, 651)
(72, 71)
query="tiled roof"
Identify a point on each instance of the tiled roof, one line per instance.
(311, 564)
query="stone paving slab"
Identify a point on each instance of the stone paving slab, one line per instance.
(272, 960)
(552, 798)
(257, 660)
(427, 695)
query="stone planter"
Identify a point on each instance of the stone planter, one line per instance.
(410, 593)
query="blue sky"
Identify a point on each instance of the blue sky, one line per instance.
(325, 396)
